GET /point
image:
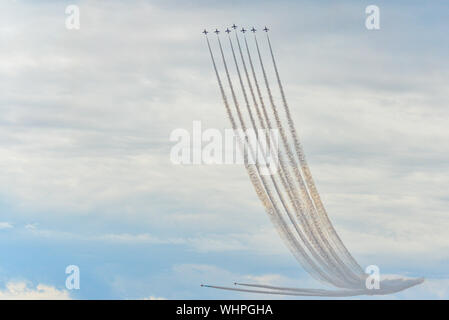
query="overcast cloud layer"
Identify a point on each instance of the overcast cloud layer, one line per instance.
(85, 120)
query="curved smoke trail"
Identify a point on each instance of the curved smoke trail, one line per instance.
(306, 260)
(262, 189)
(307, 174)
(285, 177)
(308, 232)
(323, 243)
(273, 178)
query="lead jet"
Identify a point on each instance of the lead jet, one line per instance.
(234, 26)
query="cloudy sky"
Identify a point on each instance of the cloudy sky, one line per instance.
(85, 171)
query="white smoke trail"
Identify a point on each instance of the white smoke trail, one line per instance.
(386, 287)
(323, 244)
(282, 175)
(266, 196)
(299, 292)
(297, 200)
(325, 221)
(273, 178)
(330, 261)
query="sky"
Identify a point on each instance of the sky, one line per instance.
(85, 171)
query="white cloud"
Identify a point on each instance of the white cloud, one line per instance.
(21, 290)
(435, 289)
(154, 298)
(261, 241)
(86, 119)
(31, 226)
(5, 225)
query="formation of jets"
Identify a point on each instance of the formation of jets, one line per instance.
(243, 30)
